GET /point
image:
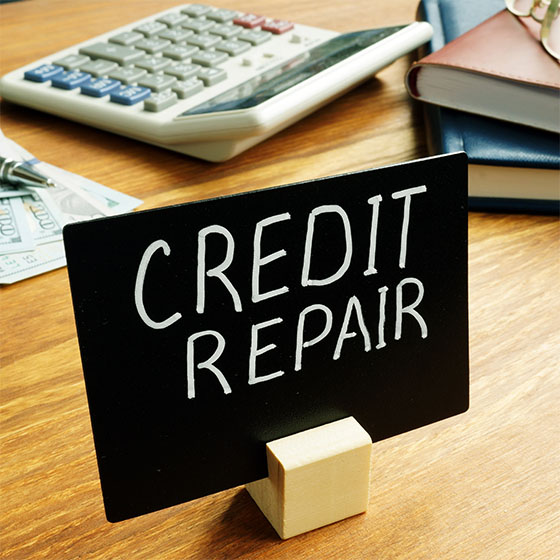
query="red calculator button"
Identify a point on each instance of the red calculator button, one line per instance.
(277, 26)
(249, 20)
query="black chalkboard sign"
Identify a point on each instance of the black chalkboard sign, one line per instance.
(210, 328)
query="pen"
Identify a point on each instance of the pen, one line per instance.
(19, 174)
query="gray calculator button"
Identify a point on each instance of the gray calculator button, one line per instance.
(226, 30)
(111, 51)
(211, 76)
(180, 52)
(98, 67)
(182, 70)
(157, 82)
(254, 36)
(172, 19)
(209, 58)
(233, 46)
(152, 63)
(204, 40)
(176, 34)
(159, 101)
(222, 15)
(198, 25)
(126, 38)
(152, 45)
(189, 87)
(150, 28)
(128, 74)
(196, 10)
(71, 61)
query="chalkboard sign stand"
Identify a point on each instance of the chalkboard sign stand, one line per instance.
(315, 477)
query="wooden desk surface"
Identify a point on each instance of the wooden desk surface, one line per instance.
(484, 484)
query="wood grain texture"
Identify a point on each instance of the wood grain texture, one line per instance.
(315, 477)
(482, 485)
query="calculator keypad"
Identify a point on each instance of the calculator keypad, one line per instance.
(174, 56)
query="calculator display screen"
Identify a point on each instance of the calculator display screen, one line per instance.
(280, 78)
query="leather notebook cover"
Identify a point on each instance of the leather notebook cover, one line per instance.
(503, 46)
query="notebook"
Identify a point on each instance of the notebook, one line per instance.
(512, 168)
(498, 69)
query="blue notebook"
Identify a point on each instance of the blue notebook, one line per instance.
(508, 163)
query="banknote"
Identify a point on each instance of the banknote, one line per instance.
(31, 219)
(7, 191)
(15, 234)
(19, 266)
(43, 217)
(112, 201)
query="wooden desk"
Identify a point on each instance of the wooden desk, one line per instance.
(484, 484)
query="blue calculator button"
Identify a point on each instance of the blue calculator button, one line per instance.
(129, 95)
(100, 87)
(70, 79)
(43, 73)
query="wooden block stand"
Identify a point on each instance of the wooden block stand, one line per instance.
(315, 477)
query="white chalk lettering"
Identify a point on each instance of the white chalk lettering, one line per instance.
(375, 201)
(139, 286)
(256, 351)
(259, 261)
(333, 208)
(207, 364)
(406, 194)
(411, 308)
(353, 304)
(217, 271)
(300, 344)
(381, 322)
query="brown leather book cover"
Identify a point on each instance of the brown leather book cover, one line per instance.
(503, 46)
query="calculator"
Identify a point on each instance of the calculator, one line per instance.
(205, 81)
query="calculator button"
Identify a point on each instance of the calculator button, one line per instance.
(70, 79)
(182, 70)
(277, 26)
(157, 82)
(159, 101)
(180, 52)
(172, 19)
(126, 38)
(150, 28)
(254, 36)
(222, 15)
(233, 47)
(43, 73)
(189, 87)
(196, 10)
(198, 25)
(99, 67)
(226, 30)
(209, 58)
(100, 87)
(176, 34)
(129, 95)
(128, 74)
(71, 61)
(152, 63)
(211, 76)
(204, 40)
(249, 20)
(111, 51)
(152, 45)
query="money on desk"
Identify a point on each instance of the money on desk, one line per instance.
(31, 220)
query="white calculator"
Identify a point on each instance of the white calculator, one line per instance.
(205, 81)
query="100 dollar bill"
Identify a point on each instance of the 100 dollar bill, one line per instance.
(31, 220)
